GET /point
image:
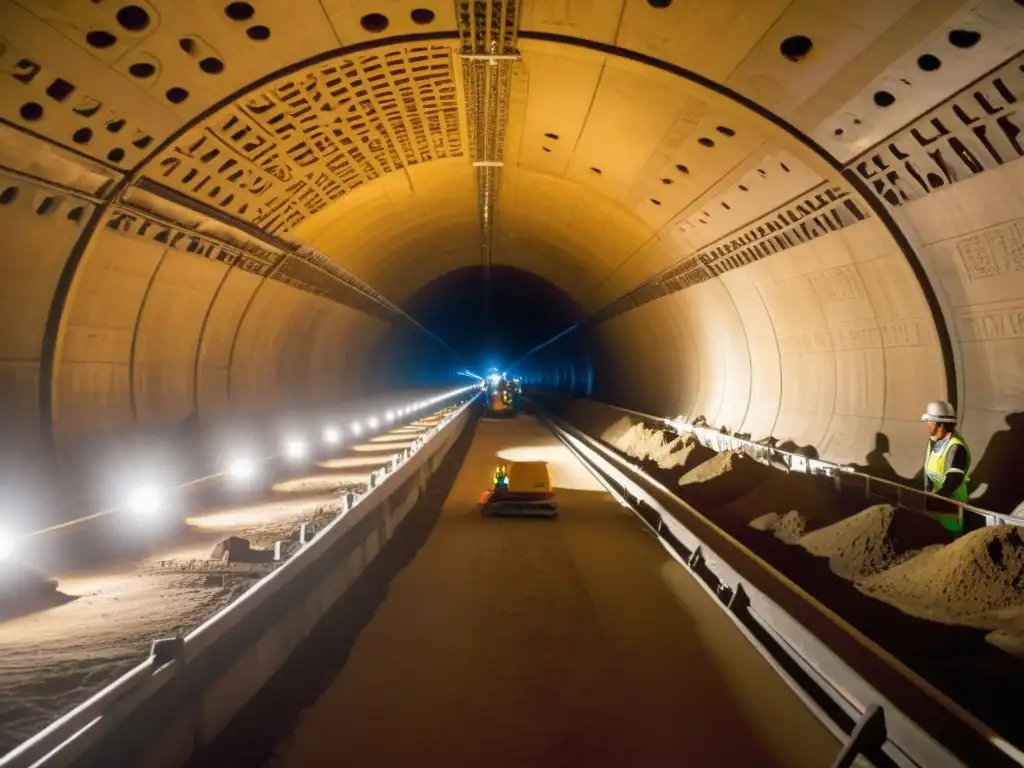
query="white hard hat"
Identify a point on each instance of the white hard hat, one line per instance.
(939, 411)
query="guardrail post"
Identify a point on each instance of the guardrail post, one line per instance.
(303, 531)
(350, 501)
(373, 479)
(869, 734)
(166, 650)
(695, 558)
(739, 599)
(277, 551)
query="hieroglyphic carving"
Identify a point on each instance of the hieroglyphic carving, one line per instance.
(978, 129)
(31, 92)
(247, 257)
(993, 252)
(284, 153)
(992, 326)
(836, 285)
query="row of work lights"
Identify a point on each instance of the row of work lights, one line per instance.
(243, 467)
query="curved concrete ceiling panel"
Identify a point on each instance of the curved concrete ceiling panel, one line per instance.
(794, 218)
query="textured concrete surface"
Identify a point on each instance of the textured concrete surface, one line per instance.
(794, 307)
(577, 641)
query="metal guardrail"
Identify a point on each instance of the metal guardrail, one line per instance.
(881, 712)
(846, 478)
(102, 717)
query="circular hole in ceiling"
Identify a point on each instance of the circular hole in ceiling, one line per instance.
(682, 169)
(422, 16)
(964, 38)
(659, 3)
(856, 121)
(796, 48)
(258, 32)
(596, 170)
(666, 181)
(838, 131)
(188, 45)
(100, 39)
(546, 149)
(784, 167)
(884, 98)
(374, 22)
(656, 202)
(742, 188)
(116, 155)
(176, 95)
(704, 141)
(551, 136)
(211, 65)
(82, 136)
(239, 11)
(31, 111)
(928, 62)
(8, 196)
(725, 130)
(141, 69)
(133, 18)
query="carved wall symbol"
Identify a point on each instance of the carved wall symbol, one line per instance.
(993, 252)
(978, 129)
(286, 152)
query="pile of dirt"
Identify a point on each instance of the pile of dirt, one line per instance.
(725, 477)
(790, 505)
(873, 540)
(643, 443)
(685, 453)
(788, 527)
(235, 549)
(980, 572)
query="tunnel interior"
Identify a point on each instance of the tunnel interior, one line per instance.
(794, 220)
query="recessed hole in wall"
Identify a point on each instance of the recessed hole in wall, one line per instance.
(8, 196)
(546, 149)
(784, 167)
(796, 48)
(964, 38)
(422, 16)
(551, 136)
(116, 155)
(75, 214)
(742, 188)
(659, 3)
(100, 39)
(928, 62)
(725, 130)
(666, 181)
(141, 69)
(656, 202)
(838, 131)
(115, 126)
(884, 98)
(258, 32)
(176, 95)
(47, 207)
(31, 111)
(188, 45)
(82, 136)
(133, 18)
(704, 141)
(239, 11)
(905, 81)
(761, 171)
(142, 142)
(682, 169)
(59, 89)
(211, 65)
(702, 221)
(374, 22)
(726, 206)
(596, 170)
(856, 121)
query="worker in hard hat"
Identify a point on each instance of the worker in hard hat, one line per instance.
(948, 459)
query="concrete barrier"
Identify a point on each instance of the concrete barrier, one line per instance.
(177, 701)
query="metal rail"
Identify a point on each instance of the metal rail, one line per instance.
(880, 711)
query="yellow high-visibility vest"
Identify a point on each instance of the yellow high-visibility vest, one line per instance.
(936, 467)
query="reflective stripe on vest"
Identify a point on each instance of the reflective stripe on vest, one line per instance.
(935, 467)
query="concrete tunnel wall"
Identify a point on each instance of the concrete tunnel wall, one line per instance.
(307, 122)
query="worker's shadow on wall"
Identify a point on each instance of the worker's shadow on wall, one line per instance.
(807, 451)
(877, 463)
(997, 475)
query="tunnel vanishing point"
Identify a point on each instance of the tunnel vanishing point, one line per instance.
(794, 218)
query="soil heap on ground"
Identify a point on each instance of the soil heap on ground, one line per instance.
(789, 505)
(873, 540)
(727, 476)
(980, 572)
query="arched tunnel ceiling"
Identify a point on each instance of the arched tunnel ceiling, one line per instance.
(809, 243)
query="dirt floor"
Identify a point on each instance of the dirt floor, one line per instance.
(951, 610)
(524, 642)
(59, 647)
